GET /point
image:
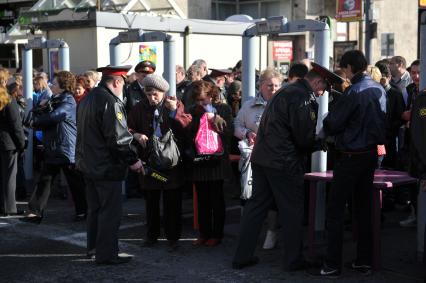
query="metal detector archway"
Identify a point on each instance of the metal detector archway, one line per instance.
(27, 72)
(279, 25)
(138, 35)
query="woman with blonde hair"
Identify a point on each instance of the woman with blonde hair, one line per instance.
(42, 92)
(12, 141)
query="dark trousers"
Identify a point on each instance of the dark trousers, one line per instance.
(390, 159)
(103, 218)
(353, 175)
(8, 167)
(287, 191)
(42, 191)
(211, 209)
(172, 212)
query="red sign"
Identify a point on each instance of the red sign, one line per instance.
(349, 10)
(282, 50)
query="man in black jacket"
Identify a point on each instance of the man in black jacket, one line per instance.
(286, 134)
(134, 92)
(104, 152)
(358, 123)
(394, 108)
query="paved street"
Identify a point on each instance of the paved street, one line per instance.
(54, 251)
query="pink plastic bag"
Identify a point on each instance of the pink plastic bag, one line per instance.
(207, 141)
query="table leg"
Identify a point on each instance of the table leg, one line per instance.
(376, 229)
(311, 224)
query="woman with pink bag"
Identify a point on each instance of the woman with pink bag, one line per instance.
(210, 132)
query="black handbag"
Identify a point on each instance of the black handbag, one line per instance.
(164, 152)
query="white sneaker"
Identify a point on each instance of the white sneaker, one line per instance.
(411, 221)
(270, 240)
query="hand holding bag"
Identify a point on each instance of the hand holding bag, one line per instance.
(164, 152)
(207, 141)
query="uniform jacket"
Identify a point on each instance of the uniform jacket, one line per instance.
(59, 129)
(11, 131)
(418, 137)
(215, 169)
(358, 121)
(249, 116)
(141, 121)
(133, 94)
(104, 149)
(287, 129)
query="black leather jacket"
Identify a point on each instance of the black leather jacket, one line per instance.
(104, 149)
(287, 129)
(133, 94)
(418, 137)
(357, 120)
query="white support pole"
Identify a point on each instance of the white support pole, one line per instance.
(27, 71)
(170, 64)
(64, 57)
(319, 158)
(249, 68)
(114, 52)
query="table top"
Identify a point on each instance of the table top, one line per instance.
(382, 178)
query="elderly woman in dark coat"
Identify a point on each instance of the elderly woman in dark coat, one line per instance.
(208, 176)
(156, 115)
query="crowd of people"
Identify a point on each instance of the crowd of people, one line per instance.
(95, 129)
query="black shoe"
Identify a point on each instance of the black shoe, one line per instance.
(79, 217)
(173, 246)
(302, 265)
(149, 243)
(242, 264)
(32, 219)
(364, 269)
(91, 254)
(324, 272)
(118, 260)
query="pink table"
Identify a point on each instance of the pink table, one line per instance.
(383, 179)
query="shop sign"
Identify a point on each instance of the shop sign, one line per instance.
(349, 10)
(282, 50)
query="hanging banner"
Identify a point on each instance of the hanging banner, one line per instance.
(148, 52)
(282, 50)
(349, 10)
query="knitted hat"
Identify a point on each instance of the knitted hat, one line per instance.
(155, 81)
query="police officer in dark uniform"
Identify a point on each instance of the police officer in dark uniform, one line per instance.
(134, 92)
(286, 134)
(358, 123)
(103, 154)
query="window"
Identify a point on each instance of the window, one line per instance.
(221, 9)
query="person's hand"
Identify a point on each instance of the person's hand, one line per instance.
(219, 123)
(137, 167)
(423, 185)
(141, 139)
(210, 116)
(171, 103)
(43, 102)
(251, 137)
(406, 115)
